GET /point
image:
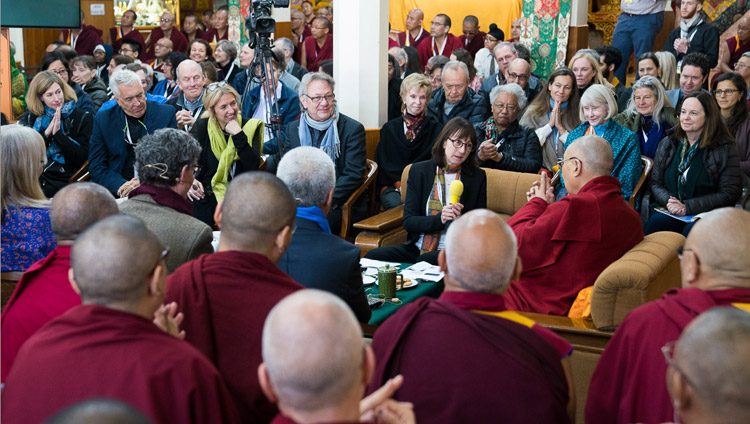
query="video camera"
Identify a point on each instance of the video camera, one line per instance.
(259, 22)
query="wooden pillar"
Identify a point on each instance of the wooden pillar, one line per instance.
(579, 28)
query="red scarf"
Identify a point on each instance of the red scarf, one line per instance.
(412, 124)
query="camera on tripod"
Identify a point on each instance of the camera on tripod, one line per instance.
(259, 22)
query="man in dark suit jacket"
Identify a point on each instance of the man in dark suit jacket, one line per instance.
(118, 130)
(292, 67)
(695, 34)
(316, 258)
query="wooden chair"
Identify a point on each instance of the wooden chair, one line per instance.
(346, 209)
(372, 138)
(81, 175)
(648, 164)
(8, 285)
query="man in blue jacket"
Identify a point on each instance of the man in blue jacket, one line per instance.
(118, 130)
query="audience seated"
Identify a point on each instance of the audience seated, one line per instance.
(200, 51)
(340, 137)
(668, 70)
(168, 87)
(649, 114)
(592, 222)
(141, 70)
(130, 48)
(517, 72)
(324, 382)
(257, 101)
(730, 91)
(126, 30)
(243, 81)
(102, 56)
(696, 168)
(484, 60)
(693, 74)
(107, 346)
(220, 26)
(83, 39)
(441, 41)
(648, 64)
(288, 48)
(318, 46)
(210, 75)
(230, 145)
(503, 142)
(472, 39)
(316, 258)
(704, 394)
(167, 161)
(733, 48)
(165, 29)
(84, 74)
(742, 67)
(225, 54)
(26, 230)
(66, 130)
(429, 208)
(467, 339)
(189, 103)
(406, 139)
(161, 49)
(609, 60)
(695, 34)
(434, 70)
(394, 88)
(414, 33)
(226, 296)
(44, 292)
(55, 62)
(554, 113)
(715, 272)
(300, 30)
(597, 108)
(111, 156)
(463, 56)
(454, 98)
(585, 66)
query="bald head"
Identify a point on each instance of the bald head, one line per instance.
(329, 368)
(414, 19)
(480, 253)
(721, 242)
(99, 411)
(187, 66)
(113, 260)
(586, 158)
(712, 352)
(257, 206)
(78, 206)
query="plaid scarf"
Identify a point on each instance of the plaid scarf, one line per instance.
(687, 153)
(412, 125)
(435, 203)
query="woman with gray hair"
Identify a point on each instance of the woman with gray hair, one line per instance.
(167, 161)
(225, 54)
(504, 142)
(649, 114)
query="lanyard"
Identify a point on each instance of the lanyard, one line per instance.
(229, 72)
(442, 48)
(127, 131)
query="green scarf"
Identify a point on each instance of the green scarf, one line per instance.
(226, 153)
(438, 197)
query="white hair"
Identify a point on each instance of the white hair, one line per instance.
(600, 95)
(314, 76)
(122, 77)
(309, 173)
(455, 65)
(513, 89)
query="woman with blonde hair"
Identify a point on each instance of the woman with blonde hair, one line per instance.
(587, 71)
(65, 128)
(230, 146)
(668, 70)
(26, 228)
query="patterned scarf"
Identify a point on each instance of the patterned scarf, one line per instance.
(687, 153)
(42, 122)
(412, 124)
(435, 203)
(330, 144)
(226, 153)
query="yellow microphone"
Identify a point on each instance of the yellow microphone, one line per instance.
(456, 189)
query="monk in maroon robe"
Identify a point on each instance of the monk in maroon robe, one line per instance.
(108, 347)
(44, 292)
(565, 245)
(165, 29)
(82, 40)
(463, 355)
(227, 295)
(414, 33)
(325, 381)
(126, 30)
(472, 39)
(441, 42)
(715, 272)
(220, 30)
(319, 46)
(734, 47)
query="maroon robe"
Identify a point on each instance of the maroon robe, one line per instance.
(316, 55)
(212, 35)
(226, 297)
(464, 367)
(476, 43)
(94, 351)
(199, 34)
(115, 39)
(282, 419)
(736, 49)
(43, 294)
(298, 45)
(89, 37)
(179, 43)
(414, 42)
(566, 245)
(428, 48)
(628, 384)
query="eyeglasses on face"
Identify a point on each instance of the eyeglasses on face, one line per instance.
(317, 99)
(726, 92)
(165, 20)
(561, 162)
(520, 77)
(458, 144)
(668, 351)
(509, 108)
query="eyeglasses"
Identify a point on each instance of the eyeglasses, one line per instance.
(61, 72)
(491, 39)
(451, 88)
(126, 51)
(161, 45)
(681, 250)
(740, 65)
(165, 20)
(561, 162)
(162, 257)
(433, 23)
(668, 351)
(727, 92)
(216, 85)
(132, 99)
(317, 99)
(520, 77)
(458, 144)
(509, 108)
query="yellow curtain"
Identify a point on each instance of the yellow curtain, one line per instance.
(500, 12)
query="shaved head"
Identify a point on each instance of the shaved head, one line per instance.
(188, 64)
(481, 252)
(99, 411)
(113, 259)
(595, 152)
(721, 240)
(712, 353)
(417, 13)
(256, 207)
(329, 367)
(77, 206)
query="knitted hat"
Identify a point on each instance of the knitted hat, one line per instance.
(496, 32)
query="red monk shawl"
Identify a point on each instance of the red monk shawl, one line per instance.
(96, 352)
(315, 55)
(628, 384)
(226, 297)
(43, 294)
(115, 39)
(475, 44)
(464, 367)
(179, 43)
